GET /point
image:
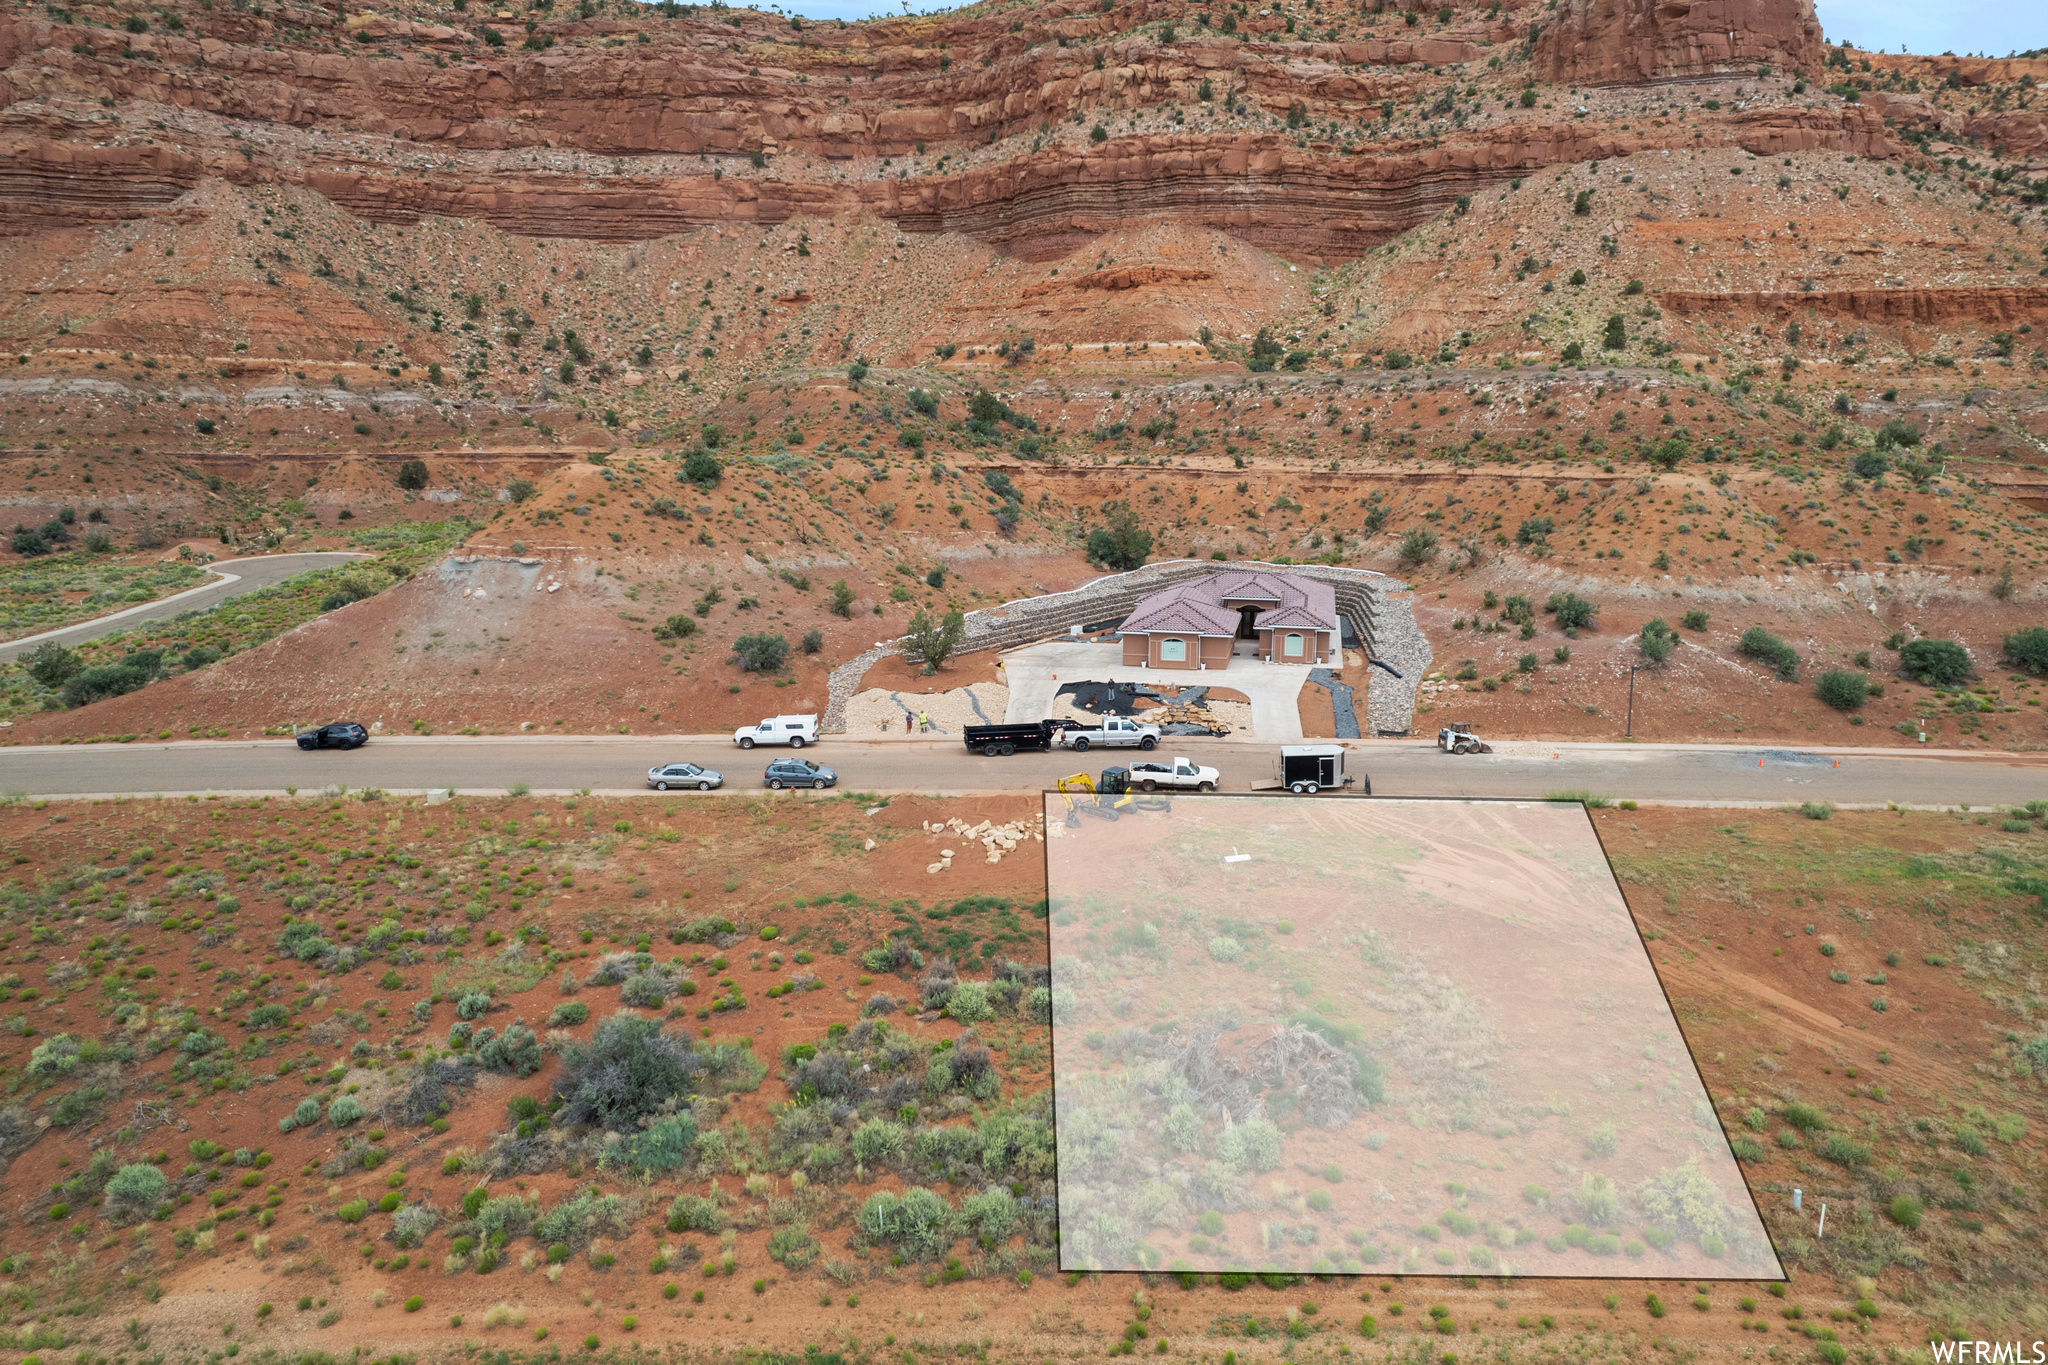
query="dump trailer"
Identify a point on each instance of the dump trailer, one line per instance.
(1306, 769)
(994, 740)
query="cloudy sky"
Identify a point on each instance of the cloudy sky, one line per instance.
(1992, 27)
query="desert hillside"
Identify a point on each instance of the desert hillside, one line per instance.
(297, 1076)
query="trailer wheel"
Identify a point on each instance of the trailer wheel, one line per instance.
(1310, 788)
(1148, 743)
(1081, 745)
(1009, 749)
(1294, 787)
(991, 750)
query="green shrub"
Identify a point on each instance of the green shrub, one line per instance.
(106, 680)
(877, 1141)
(2027, 650)
(1906, 1211)
(473, 1005)
(308, 1111)
(1759, 644)
(1805, 1117)
(694, 1213)
(354, 1211)
(134, 1191)
(1573, 612)
(760, 653)
(55, 1056)
(586, 1215)
(665, 1145)
(1657, 640)
(916, 1223)
(632, 1068)
(1844, 1150)
(969, 1002)
(516, 1050)
(1253, 1145)
(1938, 663)
(343, 1111)
(569, 1013)
(1842, 689)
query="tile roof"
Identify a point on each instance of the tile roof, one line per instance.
(1196, 605)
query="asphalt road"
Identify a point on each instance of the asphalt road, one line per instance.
(237, 577)
(1667, 774)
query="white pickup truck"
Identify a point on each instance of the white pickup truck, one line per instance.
(1115, 732)
(795, 731)
(1180, 773)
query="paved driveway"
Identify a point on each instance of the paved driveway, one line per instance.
(233, 578)
(1036, 673)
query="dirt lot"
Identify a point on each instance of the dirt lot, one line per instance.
(1932, 1085)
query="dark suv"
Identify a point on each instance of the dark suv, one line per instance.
(341, 735)
(799, 772)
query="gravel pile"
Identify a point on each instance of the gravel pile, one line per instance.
(878, 711)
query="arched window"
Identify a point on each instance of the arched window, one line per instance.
(1291, 646)
(1173, 650)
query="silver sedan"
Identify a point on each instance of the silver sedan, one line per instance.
(685, 776)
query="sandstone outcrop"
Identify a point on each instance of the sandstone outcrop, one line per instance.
(1991, 307)
(1631, 42)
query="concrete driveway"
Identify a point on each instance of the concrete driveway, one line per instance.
(1036, 673)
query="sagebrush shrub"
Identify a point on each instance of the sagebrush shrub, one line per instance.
(134, 1192)
(516, 1050)
(916, 1223)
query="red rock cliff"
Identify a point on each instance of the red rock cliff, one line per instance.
(1629, 42)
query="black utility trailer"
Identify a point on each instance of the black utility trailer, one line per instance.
(1306, 769)
(1002, 740)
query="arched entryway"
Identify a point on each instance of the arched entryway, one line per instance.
(1247, 623)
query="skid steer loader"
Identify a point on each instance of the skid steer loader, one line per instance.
(1457, 738)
